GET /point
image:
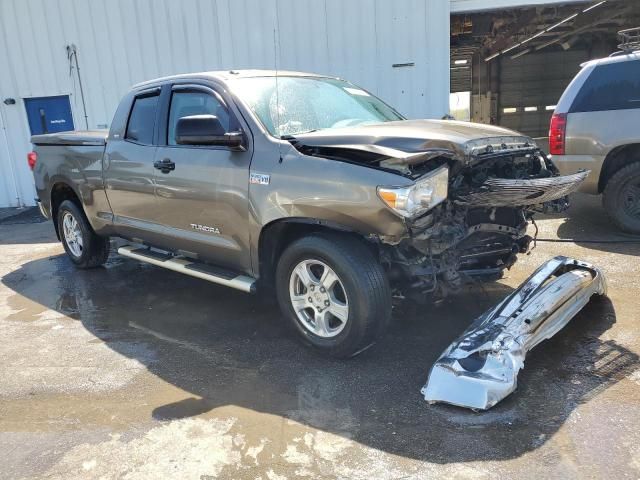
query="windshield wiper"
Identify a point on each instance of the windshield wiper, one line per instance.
(293, 137)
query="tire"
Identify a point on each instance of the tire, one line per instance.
(361, 286)
(621, 198)
(90, 250)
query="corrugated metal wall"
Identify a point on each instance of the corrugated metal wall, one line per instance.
(122, 42)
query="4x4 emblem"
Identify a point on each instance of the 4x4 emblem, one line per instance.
(259, 179)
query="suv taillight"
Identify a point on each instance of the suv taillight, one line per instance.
(557, 131)
(32, 158)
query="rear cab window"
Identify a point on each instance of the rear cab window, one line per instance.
(612, 86)
(142, 119)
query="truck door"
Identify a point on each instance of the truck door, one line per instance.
(202, 195)
(128, 168)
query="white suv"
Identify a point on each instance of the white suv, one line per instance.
(596, 126)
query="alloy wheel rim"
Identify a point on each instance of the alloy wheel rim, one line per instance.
(72, 234)
(319, 299)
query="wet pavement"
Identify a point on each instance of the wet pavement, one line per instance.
(131, 371)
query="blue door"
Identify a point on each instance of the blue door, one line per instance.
(49, 114)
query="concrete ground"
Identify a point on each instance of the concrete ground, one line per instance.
(130, 371)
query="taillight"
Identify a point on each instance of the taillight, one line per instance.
(32, 158)
(557, 132)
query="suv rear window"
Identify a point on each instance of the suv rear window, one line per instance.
(142, 119)
(614, 86)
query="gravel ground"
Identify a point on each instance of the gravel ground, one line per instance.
(130, 371)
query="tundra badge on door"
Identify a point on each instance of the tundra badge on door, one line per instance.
(204, 228)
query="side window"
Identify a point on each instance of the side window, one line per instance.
(185, 104)
(614, 86)
(142, 119)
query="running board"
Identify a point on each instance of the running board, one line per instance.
(188, 267)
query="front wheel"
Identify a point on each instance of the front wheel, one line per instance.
(83, 246)
(334, 292)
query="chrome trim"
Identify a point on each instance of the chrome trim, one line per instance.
(176, 264)
(481, 367)
(499, 192)
(43, 210)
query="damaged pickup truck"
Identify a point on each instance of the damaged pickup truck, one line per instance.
(301, 185)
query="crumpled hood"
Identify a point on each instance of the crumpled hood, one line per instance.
(406, 138)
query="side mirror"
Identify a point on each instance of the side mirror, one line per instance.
(206, 130)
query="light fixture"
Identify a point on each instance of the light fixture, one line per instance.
(594, 6)
(491, 57)
(461, 62)
(539, 47)
(570, 17)
(519, 54)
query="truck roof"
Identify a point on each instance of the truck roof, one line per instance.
(226, 75)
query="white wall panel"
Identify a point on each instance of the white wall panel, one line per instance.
(122, 42)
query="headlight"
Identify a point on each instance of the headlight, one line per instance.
(420, 197)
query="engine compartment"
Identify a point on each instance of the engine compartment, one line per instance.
(482, 227)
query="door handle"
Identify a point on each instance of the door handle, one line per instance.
(165, 165)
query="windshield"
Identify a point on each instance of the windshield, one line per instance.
(304, 104)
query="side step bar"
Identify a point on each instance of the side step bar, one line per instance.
(188, 267)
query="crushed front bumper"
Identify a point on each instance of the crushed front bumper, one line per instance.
(481, 367)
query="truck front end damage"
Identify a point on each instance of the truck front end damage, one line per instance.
(482, 226)
(475, 191)
(481, 367)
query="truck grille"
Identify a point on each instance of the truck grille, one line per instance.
(498, 192)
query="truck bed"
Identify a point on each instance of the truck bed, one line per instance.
(76, 137)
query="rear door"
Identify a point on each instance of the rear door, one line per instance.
(128, 169)
(202, 200)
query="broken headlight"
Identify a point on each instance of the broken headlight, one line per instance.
(426, 193)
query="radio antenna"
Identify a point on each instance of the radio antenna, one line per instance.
(276, 53)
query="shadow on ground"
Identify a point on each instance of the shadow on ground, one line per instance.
(586, 224)
(227, 348)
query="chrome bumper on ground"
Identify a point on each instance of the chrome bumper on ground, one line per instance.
(481, 367)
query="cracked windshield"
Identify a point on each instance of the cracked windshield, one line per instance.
(304, 104)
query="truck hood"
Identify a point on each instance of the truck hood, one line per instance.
(410, 141)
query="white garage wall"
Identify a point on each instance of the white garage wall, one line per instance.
(122, 42)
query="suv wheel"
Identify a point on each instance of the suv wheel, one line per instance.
(85, 248)
(622, 198)
(334, 292)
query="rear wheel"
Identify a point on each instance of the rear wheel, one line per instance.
(621, 198)
(85, 248)
(334, 292)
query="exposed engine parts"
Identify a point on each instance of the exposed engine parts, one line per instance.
(482, 227)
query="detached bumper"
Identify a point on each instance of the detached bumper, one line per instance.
(500, 192)
(481, 367)
(568, 164)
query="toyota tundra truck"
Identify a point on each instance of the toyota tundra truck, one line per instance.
(304, 186)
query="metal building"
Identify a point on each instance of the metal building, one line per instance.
(65, 63)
